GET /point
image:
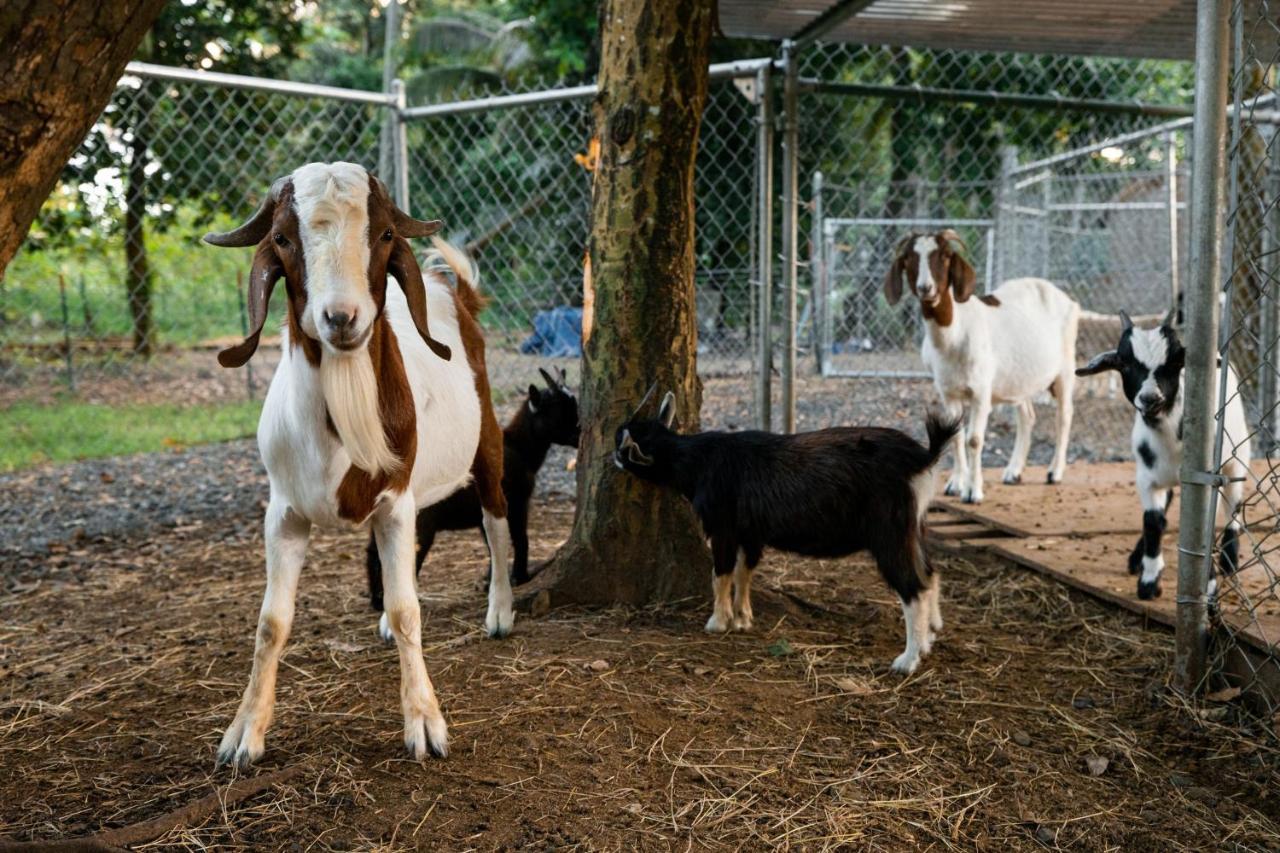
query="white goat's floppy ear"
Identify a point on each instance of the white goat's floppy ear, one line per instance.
(1103, 361)
(667, 410)
(257, 226)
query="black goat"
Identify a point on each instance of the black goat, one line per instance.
(547, 416)
(827, 493)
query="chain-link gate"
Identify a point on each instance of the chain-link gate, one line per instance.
(1244, 640)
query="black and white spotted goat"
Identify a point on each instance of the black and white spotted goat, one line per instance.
(1150, 363)
(827, 493)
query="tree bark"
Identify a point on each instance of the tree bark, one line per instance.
(631, 542)
(137, 279)
(59, 60)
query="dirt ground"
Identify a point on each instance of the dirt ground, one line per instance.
(1042, 720)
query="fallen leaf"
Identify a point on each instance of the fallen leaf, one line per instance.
(852, 685)
(341, 646)
(598, 665)
(1224, 695)
(781, 648)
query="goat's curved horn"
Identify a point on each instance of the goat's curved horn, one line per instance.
(1169, 318)
(1125, 323)
(951, 236)
(645, 399)
(407, 226)
(546, 377)
(252, 231)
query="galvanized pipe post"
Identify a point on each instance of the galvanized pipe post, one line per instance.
(400, 145)
(1270, 299)
(1195, 537)
(1005, 197)
(764, 221)
(818, 298)
(790, 226)
(1171, 185)
(391, 39)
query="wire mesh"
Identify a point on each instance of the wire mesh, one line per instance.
(1245, 647)
(925, 144)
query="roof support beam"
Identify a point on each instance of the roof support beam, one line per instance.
(833, 17)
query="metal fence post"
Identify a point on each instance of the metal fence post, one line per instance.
(391, 38)
(400, 145)
(1270, 304)
(764, 220)
(1005, 198)
(1195, 538)
(1171, 184)
(790, 226)
(818, 280)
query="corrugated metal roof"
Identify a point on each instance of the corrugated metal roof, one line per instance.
(1132, 28)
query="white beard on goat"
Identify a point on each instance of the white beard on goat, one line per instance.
(351, 395)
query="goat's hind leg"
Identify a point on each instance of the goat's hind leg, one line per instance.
(1063, 389)
(724, 556)
(286, 536)
(898, 566)
(424, 725)
(487, 470)
(1026, 421)
(742, 571)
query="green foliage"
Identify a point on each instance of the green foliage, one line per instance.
(32, 434)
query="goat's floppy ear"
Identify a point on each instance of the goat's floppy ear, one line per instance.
(263, 276)
(252, 231)
(893, 280)
(667, 410)
(960, 273)
(1109, 360)
(403, 267)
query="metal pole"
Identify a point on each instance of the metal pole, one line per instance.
(764, 218)
(818, 279)
(790, 217)
(400, 147)
(1201, 307)
(1171, 184)
(1271, 303)
(1004, 211)
(66, 332)
(391, 38)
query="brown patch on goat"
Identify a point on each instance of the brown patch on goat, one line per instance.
(486, 469)
(941, 311)
(358, 492)
(988, 299)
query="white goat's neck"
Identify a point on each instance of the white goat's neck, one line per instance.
(955, 334)
(350, 389)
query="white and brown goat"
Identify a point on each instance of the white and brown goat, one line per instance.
(380, 406)
(1003, 347)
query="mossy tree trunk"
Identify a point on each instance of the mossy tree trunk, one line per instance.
(59, 60)
(633, 543)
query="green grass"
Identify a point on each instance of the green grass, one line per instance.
(31, 434)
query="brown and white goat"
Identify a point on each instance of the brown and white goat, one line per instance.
(1004, 347)
(380, 406)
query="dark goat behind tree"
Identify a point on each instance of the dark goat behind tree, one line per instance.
(828, 493)
(547, 416)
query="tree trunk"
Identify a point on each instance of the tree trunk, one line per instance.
(137, 277)
(59, 60)
(633, 543)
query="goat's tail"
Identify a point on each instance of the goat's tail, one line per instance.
(941, 430)
(464, 270)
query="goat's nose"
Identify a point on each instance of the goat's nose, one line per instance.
(1149, 400)
(339, 320)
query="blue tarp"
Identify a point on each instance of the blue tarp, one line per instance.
(556, 333)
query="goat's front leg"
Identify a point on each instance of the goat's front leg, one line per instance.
(724, 555)
(286, 536)
(501, 612)
(424, 726)
(954, 411)
(979, 411)
(1155, 502)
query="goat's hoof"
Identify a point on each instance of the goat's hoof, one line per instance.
(905, 664)
(742, 623)
(1149, 591)
(1011, 479)
(952, 490)
(498, 622)
(384, 630)
(239, 748)
(972, 497)
(1054, 478)
(425, 735)
(716, 625)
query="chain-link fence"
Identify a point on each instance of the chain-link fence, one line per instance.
(1070, 169)
(1245, 645)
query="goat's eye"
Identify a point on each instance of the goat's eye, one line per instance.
(387, 236)
(280, 240)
